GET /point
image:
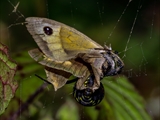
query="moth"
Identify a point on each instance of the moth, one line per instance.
(64, 51)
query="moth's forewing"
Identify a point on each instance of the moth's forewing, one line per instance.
(63, 44)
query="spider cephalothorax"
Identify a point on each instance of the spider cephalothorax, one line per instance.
(113, 64)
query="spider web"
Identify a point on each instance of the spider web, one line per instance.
(128, 46)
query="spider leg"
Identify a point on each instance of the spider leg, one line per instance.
(42, 78)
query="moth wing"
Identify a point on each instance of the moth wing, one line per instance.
(64, 43)
(56, 77)
(58, 72)
(72, 66)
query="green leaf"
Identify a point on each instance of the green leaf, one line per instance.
(123, 99)
(8, 85)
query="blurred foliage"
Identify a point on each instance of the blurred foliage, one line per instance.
(96, 19)
(8, 85)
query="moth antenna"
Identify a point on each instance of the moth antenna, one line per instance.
(21, 23)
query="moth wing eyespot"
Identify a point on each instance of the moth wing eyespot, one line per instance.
(48, 30)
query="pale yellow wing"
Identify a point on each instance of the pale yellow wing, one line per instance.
(63, 43)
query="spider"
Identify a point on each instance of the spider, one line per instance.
(89, 96)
